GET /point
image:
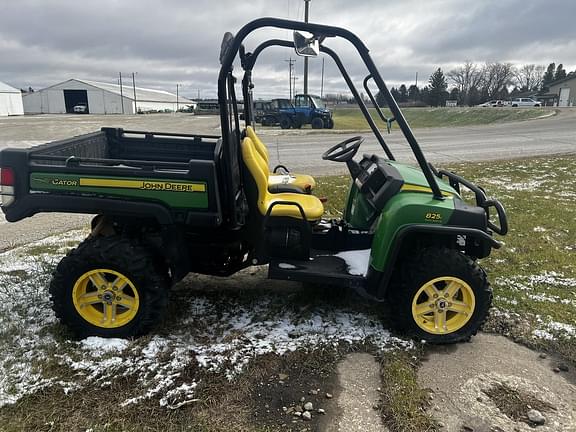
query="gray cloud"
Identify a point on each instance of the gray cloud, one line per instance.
(177, 41)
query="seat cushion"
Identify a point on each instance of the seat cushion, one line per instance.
(301, 181)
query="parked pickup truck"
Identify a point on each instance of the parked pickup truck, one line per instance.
(307, 109)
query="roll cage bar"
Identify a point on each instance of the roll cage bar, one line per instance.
(232, 46)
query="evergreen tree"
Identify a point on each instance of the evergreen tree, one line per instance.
(395, 94)
(548, 77)
(425, 95)
(380, 100)
(560, 73)
(455, 94)
(413, 93)
(403, 91)
(473, 96)
(438, 86)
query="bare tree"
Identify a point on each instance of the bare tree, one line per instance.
(466, 77)
(497, 77)
(529, 77)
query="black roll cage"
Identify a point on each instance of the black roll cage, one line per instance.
(232, 46)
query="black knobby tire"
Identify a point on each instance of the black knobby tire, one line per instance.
(133, 261)
(285, 122)
(425, 266)
(317, 123)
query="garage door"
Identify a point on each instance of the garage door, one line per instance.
(73, 98)
(564, 95)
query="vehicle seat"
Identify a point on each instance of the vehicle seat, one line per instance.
(311, 205)
(303, 182)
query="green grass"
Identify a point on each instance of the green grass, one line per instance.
(404, 402)
(352, 118)
(533, 275)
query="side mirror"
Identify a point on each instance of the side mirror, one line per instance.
(306, 46)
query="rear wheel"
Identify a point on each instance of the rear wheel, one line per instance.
(317, 123)
(109, 287)
(442, 296)
(285, 122)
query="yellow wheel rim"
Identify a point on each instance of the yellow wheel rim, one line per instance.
(105, 298)
(443, 305)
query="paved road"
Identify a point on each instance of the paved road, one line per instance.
(551, 135)
(300, 150)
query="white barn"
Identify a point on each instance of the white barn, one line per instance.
(101, 98)
(10, 101)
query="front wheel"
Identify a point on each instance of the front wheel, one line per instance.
(317, 123)
(109, 287)
(441, 296)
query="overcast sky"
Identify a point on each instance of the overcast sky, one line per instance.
(169, 42)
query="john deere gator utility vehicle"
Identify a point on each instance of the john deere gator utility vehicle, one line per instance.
(169, 204)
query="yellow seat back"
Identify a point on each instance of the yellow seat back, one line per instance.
(258, 144)
(254, 163)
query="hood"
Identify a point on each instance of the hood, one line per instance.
(414, 180)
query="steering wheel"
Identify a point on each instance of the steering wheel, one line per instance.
(344, 151)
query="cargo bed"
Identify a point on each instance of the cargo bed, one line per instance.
(172, 178)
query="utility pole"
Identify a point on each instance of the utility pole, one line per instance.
(198, 94)
(306, 10)
(121, 93)
(291, 62)
(177, 85)
(416, 84)
(322, 81)
(294, 78)
(134, 89)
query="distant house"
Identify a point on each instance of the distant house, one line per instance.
(92, 97)
(565, 89)
(10, 101)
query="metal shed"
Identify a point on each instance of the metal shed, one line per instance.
(101, 98)
(10, 101)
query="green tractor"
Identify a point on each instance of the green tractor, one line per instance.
(171, 204)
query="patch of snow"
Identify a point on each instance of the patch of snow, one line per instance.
(543, 334)
(539, 229)
(99, 346)
(220, 334)
(356, 260)
(287, 266)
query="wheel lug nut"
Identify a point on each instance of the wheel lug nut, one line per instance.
(432, 305)
(99, 296)
(118, 298)
(435, 295)
(115, 288)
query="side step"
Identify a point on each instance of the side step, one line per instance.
(324, 267)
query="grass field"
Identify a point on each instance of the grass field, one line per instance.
(232, 358)
(352, 118)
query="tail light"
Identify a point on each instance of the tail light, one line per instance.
(7, 180)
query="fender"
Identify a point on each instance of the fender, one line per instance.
(29, 205)
(378, 281)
